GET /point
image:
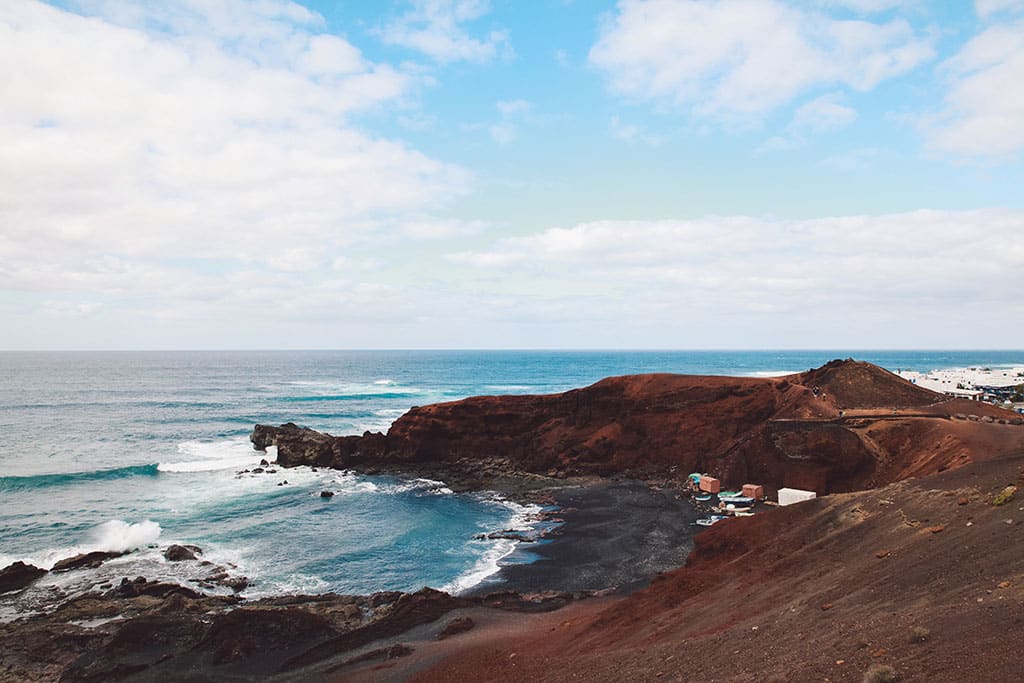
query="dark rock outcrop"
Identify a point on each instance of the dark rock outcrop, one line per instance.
(180, 553)
(303, 446)
(18, 575)
(85, 560)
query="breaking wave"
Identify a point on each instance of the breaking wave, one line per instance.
(210, 456)
(39, 481)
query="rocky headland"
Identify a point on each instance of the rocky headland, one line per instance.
(910, 568)
(842, 427)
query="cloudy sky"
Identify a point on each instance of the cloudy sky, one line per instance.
(507, 174)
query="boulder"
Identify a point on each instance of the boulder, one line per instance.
(179, 553)
(18, 575)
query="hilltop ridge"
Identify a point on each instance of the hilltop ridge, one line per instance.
(844, 426)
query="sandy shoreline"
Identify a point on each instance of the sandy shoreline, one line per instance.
(616, 534)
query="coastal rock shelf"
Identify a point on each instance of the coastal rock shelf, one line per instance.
(845, 426)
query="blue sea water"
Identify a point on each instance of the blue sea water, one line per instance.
(119, 450)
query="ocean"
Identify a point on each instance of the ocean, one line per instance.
(138, 450)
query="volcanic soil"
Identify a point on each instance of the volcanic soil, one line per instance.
(925, 576)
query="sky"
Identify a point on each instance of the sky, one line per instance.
(671, 174)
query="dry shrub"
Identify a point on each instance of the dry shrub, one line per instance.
(919, 634)
(880, 673)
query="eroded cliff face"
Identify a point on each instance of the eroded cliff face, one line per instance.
(844, 426)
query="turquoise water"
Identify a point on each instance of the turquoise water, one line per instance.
(114, 450)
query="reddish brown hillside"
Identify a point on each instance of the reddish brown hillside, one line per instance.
(844, 426)
(925, 577)
(852, 384)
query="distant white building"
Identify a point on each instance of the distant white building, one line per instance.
(972, 394)
(791, 496)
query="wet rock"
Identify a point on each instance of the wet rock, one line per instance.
(384, 597)
(521, 536)
(327, 494)
(85, 561)
(257, 470)
(180, 553)
(18, 575)
(264, 463)
(455, 627)
(237, 583)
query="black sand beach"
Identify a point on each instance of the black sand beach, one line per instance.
(616, 534)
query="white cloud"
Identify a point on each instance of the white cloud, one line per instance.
(923, 262)
(503, 133)
(513, 107)
(853, 160)
(176, 157)
(435, 28)
(631, 132)
(742, 59)
(146, 143)
(825, 113)
(984, 107)
(869, 6)
(778, 143)
(506, 130)
(426, 228)
(985, 8)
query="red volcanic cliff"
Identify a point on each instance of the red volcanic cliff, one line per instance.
(844, 426)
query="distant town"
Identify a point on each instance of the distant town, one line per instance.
(1000, 386)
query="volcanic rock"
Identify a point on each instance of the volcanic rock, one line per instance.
(303, 446)
(85, 560)
(179, 553)
(18, 575)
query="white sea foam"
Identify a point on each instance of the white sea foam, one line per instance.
(119, 536)
(114, 536)
(768, 373)
(422, 485)
(216, 455)
(487, 565)
(329, 388)
(523, 518)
